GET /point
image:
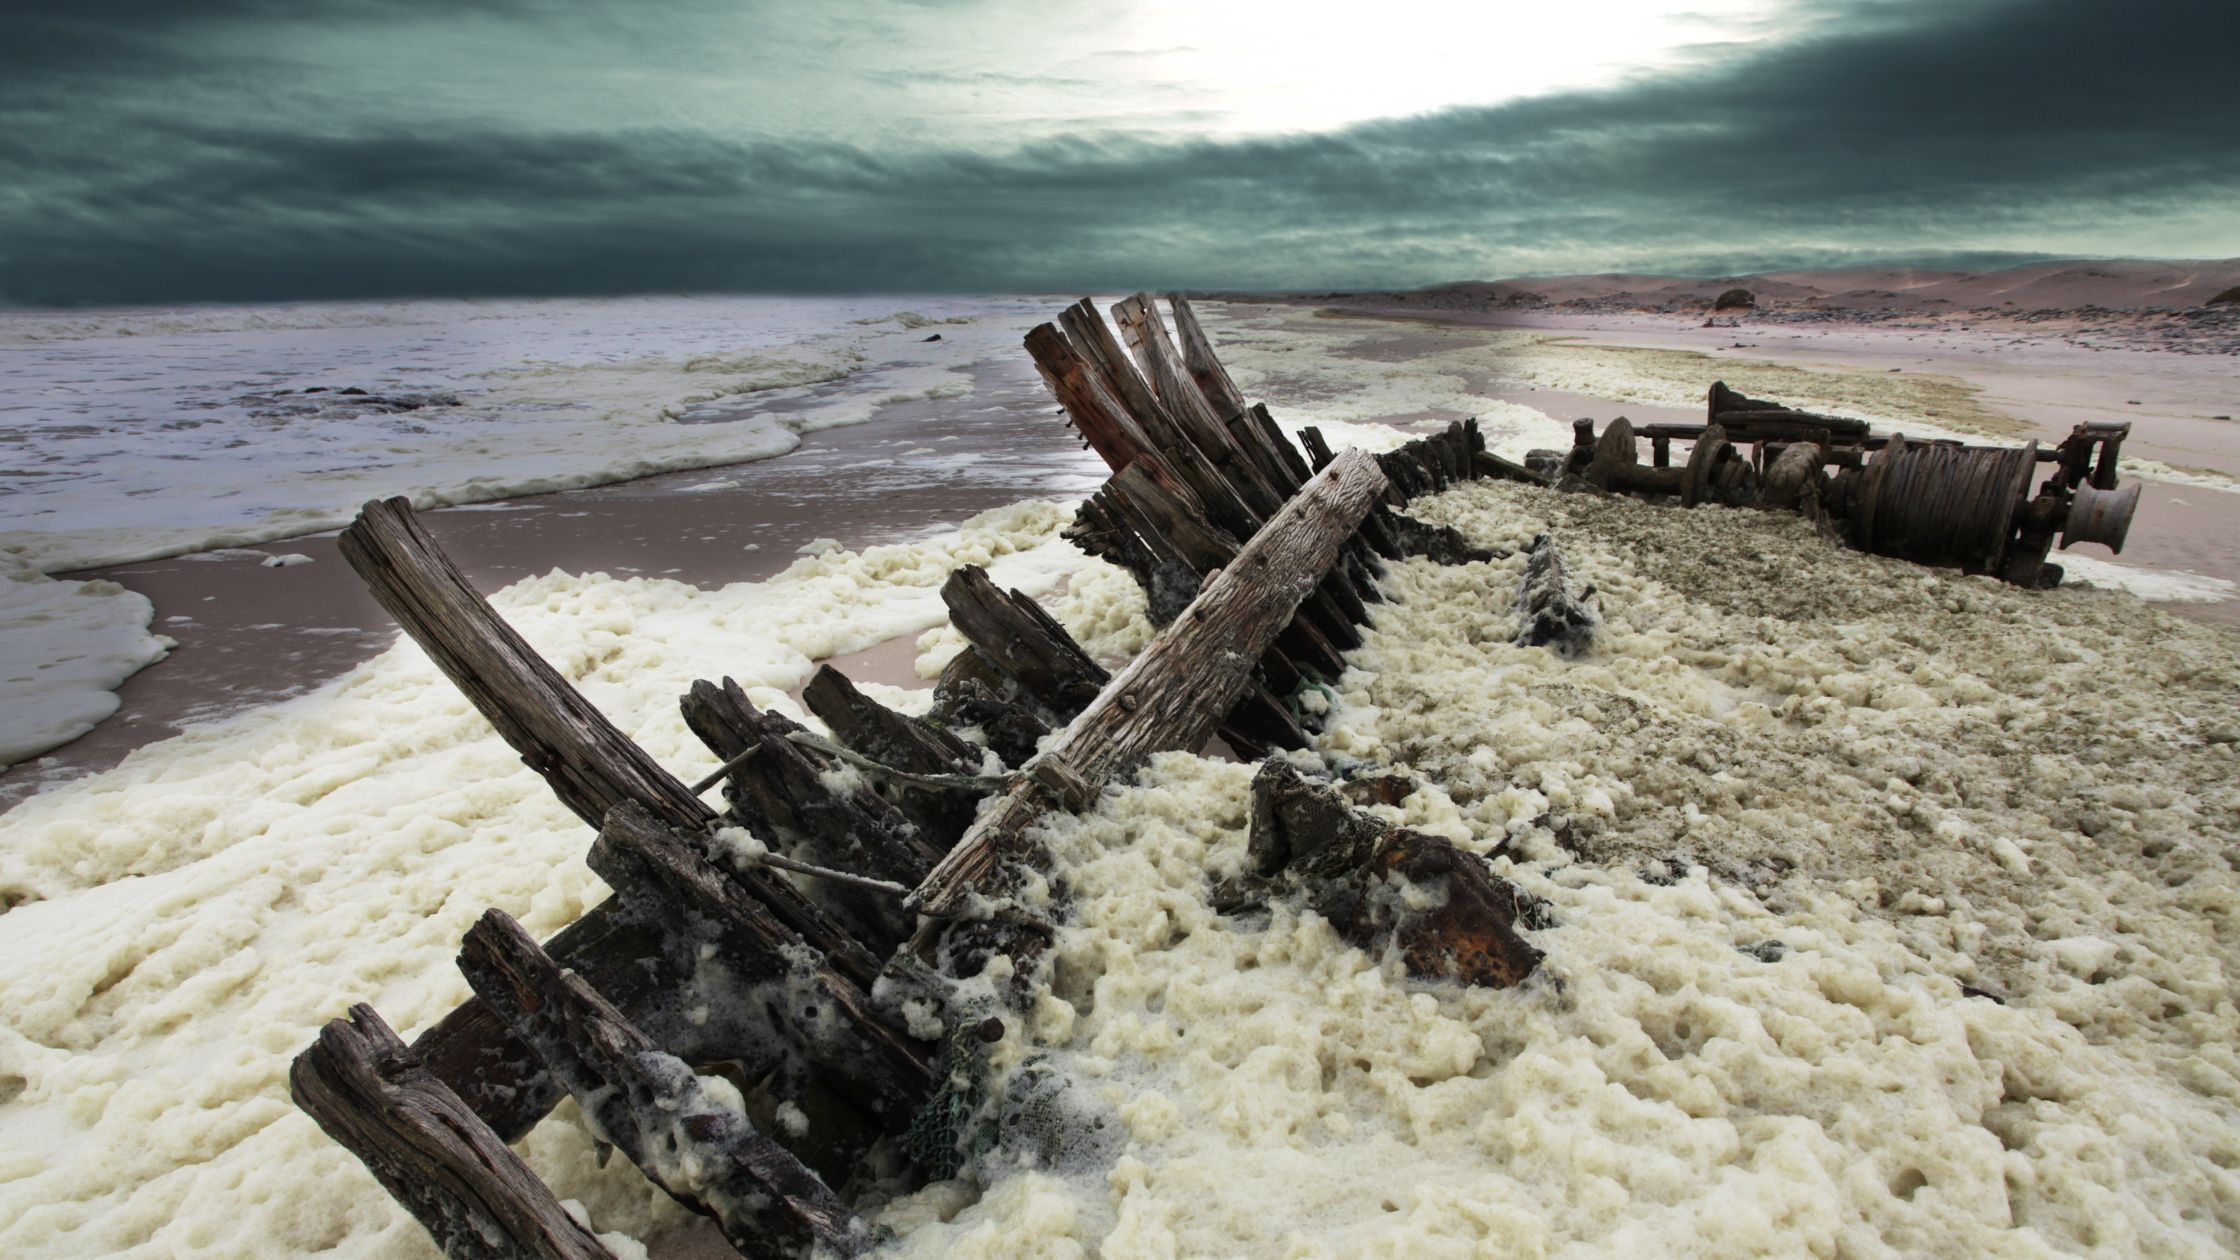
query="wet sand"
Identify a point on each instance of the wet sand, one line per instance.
(250, 635)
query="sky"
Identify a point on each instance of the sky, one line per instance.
(162, 151)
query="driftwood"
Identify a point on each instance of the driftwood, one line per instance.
(1175, 692)
(1146, 496)
(651, 1106)
(1357, 873)
(429, 1149)
(1011, 634)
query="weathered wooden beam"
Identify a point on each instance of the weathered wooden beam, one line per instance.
(1232, 442)
(1093, 339)
(1175, 692)
(1103, 390)
(1376, 528)
(893, 739)
(1102, 420)
(589, 763)
(1109, 526)
(1302, 640)
(429, 1149)
(769, 984)
(1288, 469)
(1204, 366)
(649, 1105)
(784, 798)
(1138, 318)
(1012, 631)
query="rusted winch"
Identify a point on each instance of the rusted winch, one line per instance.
(1935, 502)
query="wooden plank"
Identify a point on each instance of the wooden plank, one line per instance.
(1257, 431)
(1204, 366)
(1375, 529)
(650, 1105)
(429, 1149)
(1250, 467)
(1294, 463)
(589, 763)
(1206, 549)
(1093, 339)
(1174, 693)
(1101, 419)
(1147, 336)
(1112, 526)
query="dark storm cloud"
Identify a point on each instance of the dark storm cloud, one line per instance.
(1923, 130)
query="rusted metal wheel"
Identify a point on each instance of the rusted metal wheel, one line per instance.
(1696, 482)
(2101, 516)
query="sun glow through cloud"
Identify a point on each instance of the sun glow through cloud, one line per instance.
(259, 149)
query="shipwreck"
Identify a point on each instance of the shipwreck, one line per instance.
(845, 945)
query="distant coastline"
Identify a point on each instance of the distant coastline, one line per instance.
(2162, 305)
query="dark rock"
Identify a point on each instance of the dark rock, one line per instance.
(1734, 299)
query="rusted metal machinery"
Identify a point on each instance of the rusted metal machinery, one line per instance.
(1935, 502)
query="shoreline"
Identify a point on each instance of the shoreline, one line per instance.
(250, 636)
